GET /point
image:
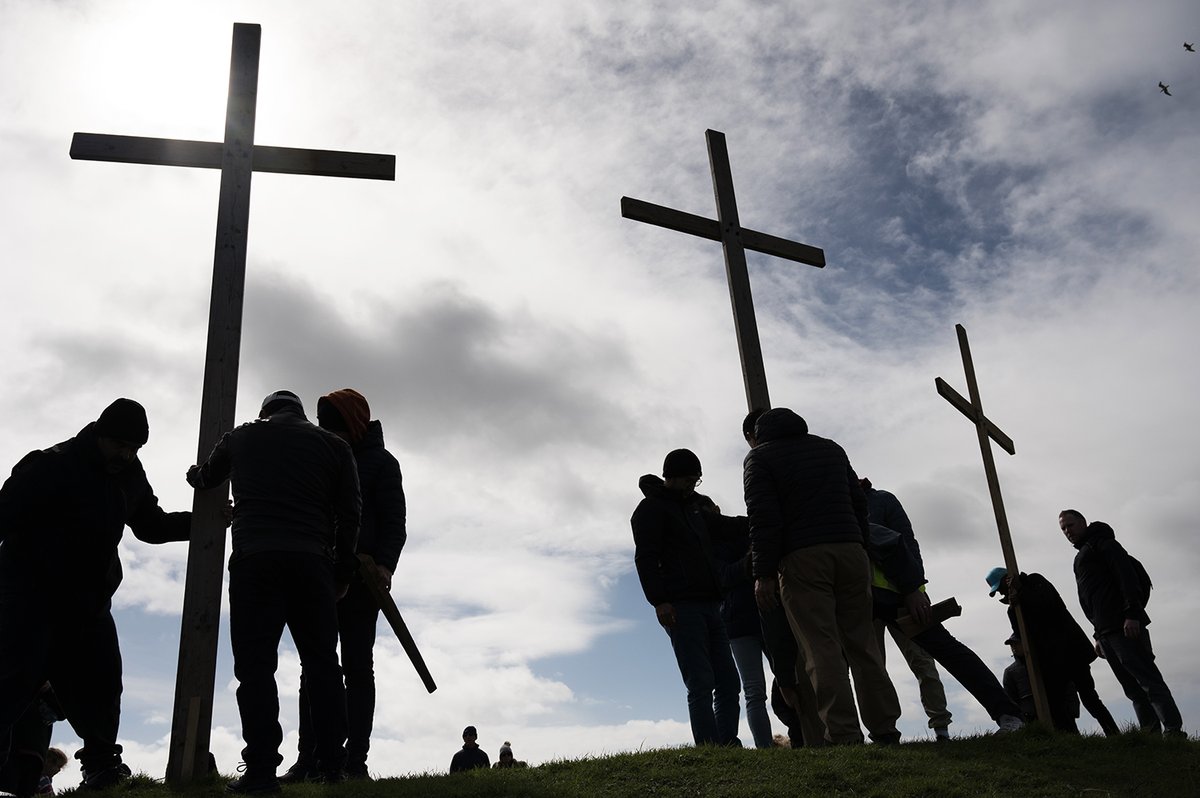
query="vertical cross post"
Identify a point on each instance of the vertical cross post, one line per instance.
(238, 157)
(735, 240)
(987, 432)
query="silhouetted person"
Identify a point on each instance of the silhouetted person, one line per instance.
(62, 513)
(1017, 685)
(296, 508)
(30, 757)
(1114, 598)
(808, 536)
(885, 509)
(673, 532)
(382, 534)
(471, 756)
(507, 760)
(1061, 649)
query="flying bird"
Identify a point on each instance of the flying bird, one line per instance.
(1163, 88)
(1187, 46)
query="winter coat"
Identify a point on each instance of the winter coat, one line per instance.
(470, 757)
(1058, 641)
(885, 509)
(800, 491)
(295, 488)
(382, 533)
(1109, 589)
(673, 538)
(61, 517)
(739, 609)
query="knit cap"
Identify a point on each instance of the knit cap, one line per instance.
(345, 410)
(124, 420)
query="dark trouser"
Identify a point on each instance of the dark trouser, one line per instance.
(1132, 662)
(1060, 695)
(30, 741)
(357, 616)
(266, 592)
(1086, 687)
(77, 651)
(705, 661)
(968, 669)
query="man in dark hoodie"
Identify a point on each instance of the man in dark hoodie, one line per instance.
(808, 535)
(673, 532)
(62, 513)
(296, 508)
(1114, 598)
(382, 535)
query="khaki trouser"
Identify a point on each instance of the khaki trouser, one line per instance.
(933, 694)
(826, 592)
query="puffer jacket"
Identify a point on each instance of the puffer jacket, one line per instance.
(61, 518)
(1109, 590)
(673, 544)
(800, 491)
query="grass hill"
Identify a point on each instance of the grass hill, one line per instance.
(1027, 764)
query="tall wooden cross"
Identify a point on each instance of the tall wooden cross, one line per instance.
(735, 240)
(237, 157)
(988, 432)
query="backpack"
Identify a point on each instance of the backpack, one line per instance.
(1142, 576)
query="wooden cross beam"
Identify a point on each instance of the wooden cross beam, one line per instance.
(237, 157)
(988, 432)
(735, 240)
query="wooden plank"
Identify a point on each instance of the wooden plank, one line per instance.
(196, 674)
(391, 612)
(207, 155)
(783, 248)
(964, 407)
(670, 218)
(754, 373)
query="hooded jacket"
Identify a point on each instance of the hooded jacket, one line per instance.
(673, 543)
(382, 533)
(1109, 589)
(800, 491)
(62, 515)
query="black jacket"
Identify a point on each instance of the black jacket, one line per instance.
(61, 518)
(885, 509)
(469, 758)
(295, 488)
(1109, 589)
(673, 540)
(1058, 641)
(382, 533)
(800, 491)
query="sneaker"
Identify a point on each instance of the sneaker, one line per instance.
(357, 772)
(255, 780)
(941, 734)
(331, 777)
(106, 777)
(1009, 723)
(304, 770)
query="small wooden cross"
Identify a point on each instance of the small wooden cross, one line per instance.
(989, 432)
(735, 240)
(237, 157)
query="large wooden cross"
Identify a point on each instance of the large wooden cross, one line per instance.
(735, 240)
(237, 157)
(988, 432)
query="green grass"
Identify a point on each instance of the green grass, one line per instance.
(1031, 763)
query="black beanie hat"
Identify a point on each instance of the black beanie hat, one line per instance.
(681, 463)
(124, 420)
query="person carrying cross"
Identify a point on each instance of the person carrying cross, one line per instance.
(296, 510)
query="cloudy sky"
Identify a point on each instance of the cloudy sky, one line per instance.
(1008, 166)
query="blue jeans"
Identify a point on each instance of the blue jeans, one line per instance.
(748, 654)
(1132, 662)
(706, 663)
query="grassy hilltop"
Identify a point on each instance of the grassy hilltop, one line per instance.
(1027, 764)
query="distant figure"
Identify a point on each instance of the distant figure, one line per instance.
(1113, 596)
(62, 513)
(506, 758)
(1187, 46)
(382, 534)
(1062, 650)
(808, 536)
(885, 509)
(1164, 88)
(296, 508)
(471, 756)
(673, 532)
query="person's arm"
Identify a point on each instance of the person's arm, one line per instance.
(859, 501)
(27, 488)
(150, 523)
(648, 549)
(347, 514)
(1117, 559)
(390, 517)
(894, 517)
(215, 470)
